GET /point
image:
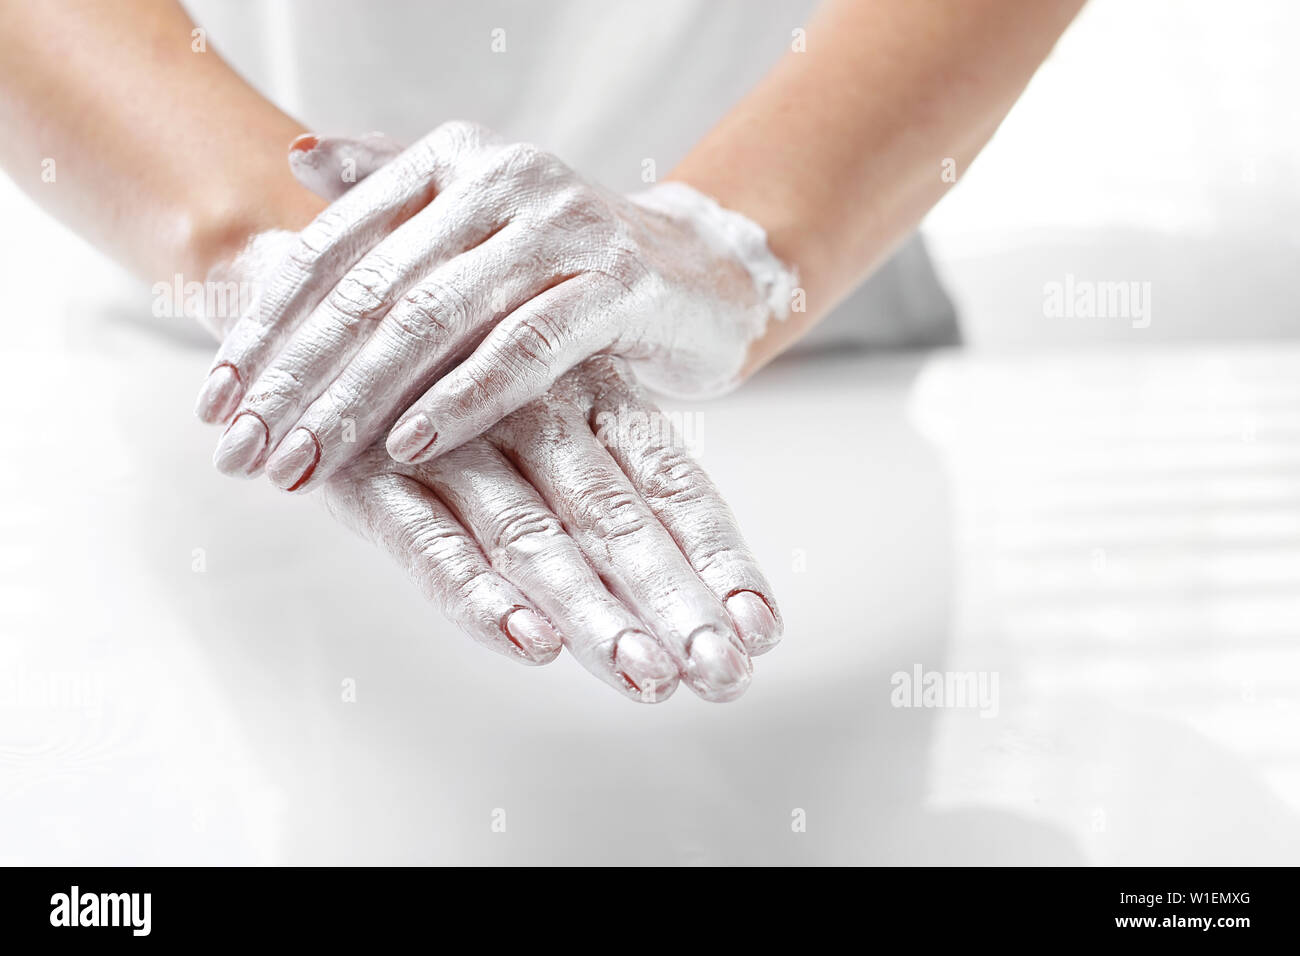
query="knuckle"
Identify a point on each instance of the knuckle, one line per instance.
(305, 254)
(470, 585)
(430, 310)
(457, 136)
(467, 398)
(523, 531)
(520, 156)
(531, 163)
(365, 291)
(534, 340)
(610, 512)
(576, 205)
(316, 239)
(724, 558)
(440, 545)
(273, 386)
(672, 476)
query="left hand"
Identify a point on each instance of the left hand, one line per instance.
(461, 280)
(570, 521)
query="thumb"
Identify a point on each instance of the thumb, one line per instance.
(331, 165)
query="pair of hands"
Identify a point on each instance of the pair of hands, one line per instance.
(506, 298)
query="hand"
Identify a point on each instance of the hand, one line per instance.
(460, 281)
(561, 526)
(537, 532)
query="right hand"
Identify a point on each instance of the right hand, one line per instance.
(459, 282)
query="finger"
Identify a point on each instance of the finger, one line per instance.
(552, 445)
(322, 346)
(650, 451)
(331, 165)
(339, 237)
(526, 544)
(430, 328)
(518, 361)
(407, 520)
(328, 166)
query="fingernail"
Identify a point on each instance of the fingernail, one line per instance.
(533, 636)
(304, 143)
(646, 666)
(755, 621)
(294, 461)
(219, 396)
(719, 670)
(240, 445)
(411, 438)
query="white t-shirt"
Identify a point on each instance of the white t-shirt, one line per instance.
(620, 91)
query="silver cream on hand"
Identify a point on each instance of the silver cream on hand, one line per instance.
(461, 279)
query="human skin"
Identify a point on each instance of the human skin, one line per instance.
(164, 159)
(539, 533)
(836, 153)
(514, 249)
(612, 534)
(553, 528)
(135, 121)
(610, 543)
(474, 271)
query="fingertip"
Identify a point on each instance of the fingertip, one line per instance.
(758, 626)
(219, 396)
(315, 167)
(536, 640)
(645, 667)
(240, 447)
(294, 462)
(412, 440)
(718, 669)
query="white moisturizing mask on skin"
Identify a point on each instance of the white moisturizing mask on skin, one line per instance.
(511, 534)
(730, 233)
(249, 269)
(461, 279)
(541, 531)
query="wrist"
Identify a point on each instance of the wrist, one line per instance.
(730, 234)
(214, 236)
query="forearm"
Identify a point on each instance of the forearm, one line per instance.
(162, 156)
(839, 151)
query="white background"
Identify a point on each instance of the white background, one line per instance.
(1112, 532)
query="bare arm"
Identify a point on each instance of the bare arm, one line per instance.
(838, 151)
(523, 268)
(163, 156)
(167, 160)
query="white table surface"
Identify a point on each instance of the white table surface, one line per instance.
(1115, 536)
